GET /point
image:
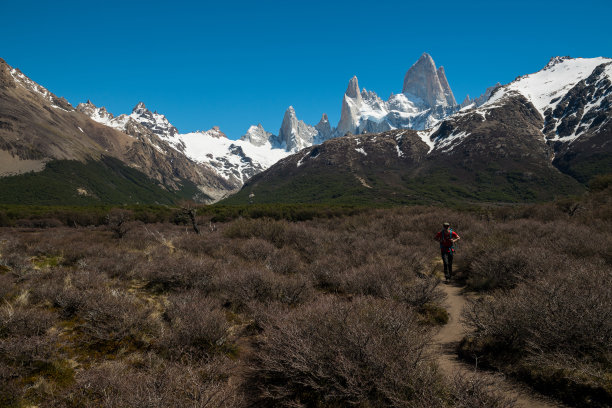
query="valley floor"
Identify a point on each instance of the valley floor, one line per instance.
(341, 308)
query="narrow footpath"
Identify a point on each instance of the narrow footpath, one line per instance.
(449, 337)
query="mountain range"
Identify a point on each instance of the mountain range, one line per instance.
(542, 134)
(537, 138)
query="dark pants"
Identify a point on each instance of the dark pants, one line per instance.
(447, 258)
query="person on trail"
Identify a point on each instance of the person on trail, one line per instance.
(447, 238)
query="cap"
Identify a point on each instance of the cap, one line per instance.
(446, 224)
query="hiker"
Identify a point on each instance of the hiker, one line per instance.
(447, 237)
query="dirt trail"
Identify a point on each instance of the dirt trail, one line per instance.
(449, 337)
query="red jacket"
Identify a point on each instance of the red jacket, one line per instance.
(446, 245)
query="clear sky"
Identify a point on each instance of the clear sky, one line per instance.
(237, 63)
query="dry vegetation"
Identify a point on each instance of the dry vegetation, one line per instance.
(320, 313)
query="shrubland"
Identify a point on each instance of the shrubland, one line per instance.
(309, 307)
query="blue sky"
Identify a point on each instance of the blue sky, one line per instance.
(240, 63)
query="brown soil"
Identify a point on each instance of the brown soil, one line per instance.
(446, 341)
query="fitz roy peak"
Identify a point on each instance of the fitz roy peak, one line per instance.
(430, 85)
(426, 99)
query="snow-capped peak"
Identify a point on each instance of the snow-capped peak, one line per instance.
(257, 135)
(154, 121)
(545, 87)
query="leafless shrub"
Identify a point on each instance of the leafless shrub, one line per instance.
(255, 249)
(10, 392)
(474, 391)
(303, 238)
(381, 280)
(327, 272)
(421, 291)
(118, 221)
(204, 244)
(241, 287)
(39, 223)
(265, 228)
(115, 263)
(113, 318)
(333, 353)
(284, 261)
(503, 268)
(198, 326)
(7, 286)
(18, 320)
(566, 313)
(28, 352)
(165, 272)
(157, 384)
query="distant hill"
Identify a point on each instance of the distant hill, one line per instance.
(44, 136)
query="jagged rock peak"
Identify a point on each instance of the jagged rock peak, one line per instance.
(257, 135)
(352, 91)
(140, 107)
(294, 134)
(324, 130)
(450, 98)
(555, 60)
(216, 132)
(423, 81)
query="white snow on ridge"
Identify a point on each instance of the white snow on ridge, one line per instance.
(205, 148)
(399, 151)
(452, 141)
(425, 136)
(551, 82)
(360, 150)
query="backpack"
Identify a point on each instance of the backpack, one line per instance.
(450, 232)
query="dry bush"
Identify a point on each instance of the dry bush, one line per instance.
(41, 223)
(255, 249)
(197, 326)
(7, 285)
(212, 245)
(153, 384)
(113, 319)
(327, 272)
(164, 272)
(526, 331)
(18, 320)
(505, 268)
(304, 238)
(115, 263)
(118, 221)
(474, 391)
(10, 392)
(67, 289)
(335, 353)
(384, 279)
(242, 286)
(264, 228)
(285, 261)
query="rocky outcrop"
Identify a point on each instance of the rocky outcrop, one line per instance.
(257, 135)
(448, 93)
(294, 134)
(324, 130)
(427, 99)
(350, 113)
(424, 82)
(154, 121)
